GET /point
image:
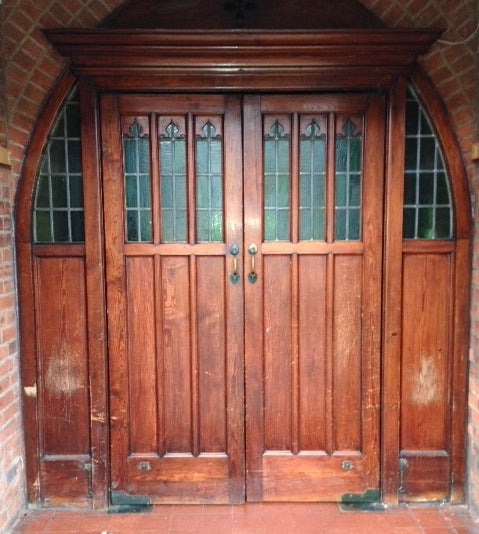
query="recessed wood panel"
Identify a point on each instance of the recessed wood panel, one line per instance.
(347, 353)
(425, 354)
(277, 352)
(211, 353)
(62, 343)
(177, 354)
(312, 353)
(140, 283)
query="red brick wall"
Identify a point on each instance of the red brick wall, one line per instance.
(30, 70)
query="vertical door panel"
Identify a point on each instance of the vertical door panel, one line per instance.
(313, 206)
(172, 173)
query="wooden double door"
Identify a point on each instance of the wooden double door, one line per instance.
(243, 243)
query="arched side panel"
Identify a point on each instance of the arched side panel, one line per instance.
(435, 280)
(54, 343)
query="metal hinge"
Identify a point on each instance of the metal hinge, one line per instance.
(402, 468)
(89, 471)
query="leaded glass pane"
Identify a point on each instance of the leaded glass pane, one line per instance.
(427, 197)
(136, 156)
(312, 175)
(173, 184)
(209, 189)
(276, 184)
(58, 205)
(347, 224)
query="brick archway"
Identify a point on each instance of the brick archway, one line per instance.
(30, 71)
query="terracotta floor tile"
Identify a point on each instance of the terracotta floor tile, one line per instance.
(429, 517)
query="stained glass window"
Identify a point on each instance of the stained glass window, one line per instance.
(312, 176)
(347, 222)
(427, 197)
(276, 184)
(58, 205)
(209, 185)
(173, 184)
(136, 153)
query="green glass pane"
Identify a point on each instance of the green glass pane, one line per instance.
(74, 157)
(57, 157)
(76, 218)
(43, 232)
(60, 226)
(305, 149)
(144, 156)
(166, 192)
(409, 223)
(180, 192)
(283, 191)
(427, 153)
(443, 223)
(216, 157)
(43, 192)
(355, 153)
(353, 230)
(180, 157)
(305, 224)
(442, 192)
(283, 156)
(412, 113)
(76, 191)
(167, 226)
(318, 224)
(73, 120)
(318, 190)
(426, 188)
(354, 190)
(269, 191)
(305, 190)
(202, 156)
(425, 223)
(129, 147)
(144, 187)
(411, 154)
(180, 226)
(59, 130)
(131, 191)
(425, 127)
(145, 225)
(132, 225)
(341, 154)
(59, 192)
(269, 156)
(283, 225)
(340, 224)
(216, 192)
(319, 155)
(341, 191)
(202, 192)
(410, 188)
(216, 226)
(202, 225)
(166, 157)
(269, 224)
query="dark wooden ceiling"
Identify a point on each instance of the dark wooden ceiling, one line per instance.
(247, 14)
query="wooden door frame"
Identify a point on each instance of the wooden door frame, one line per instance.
(249, 61)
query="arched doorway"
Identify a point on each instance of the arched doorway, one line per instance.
(180, 318)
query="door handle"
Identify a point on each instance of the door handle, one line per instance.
(252, 276)
(234, 276)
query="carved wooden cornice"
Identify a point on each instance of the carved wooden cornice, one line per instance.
(241, 60)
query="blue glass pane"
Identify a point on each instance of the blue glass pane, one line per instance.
(144, 190)
(77, 225)
(74, 157)
(428, 151)
(143, 156)
(129, 147)
(59, 192)
(76, 191)
(216, 192)
(340, 224)
(57, 157)
(60, 226)
(341, 190)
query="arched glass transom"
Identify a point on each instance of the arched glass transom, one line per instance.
(428, 210)
(58, 207)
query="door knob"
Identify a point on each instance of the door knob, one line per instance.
(252, 276)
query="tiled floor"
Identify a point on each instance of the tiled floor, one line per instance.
(254, 519)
